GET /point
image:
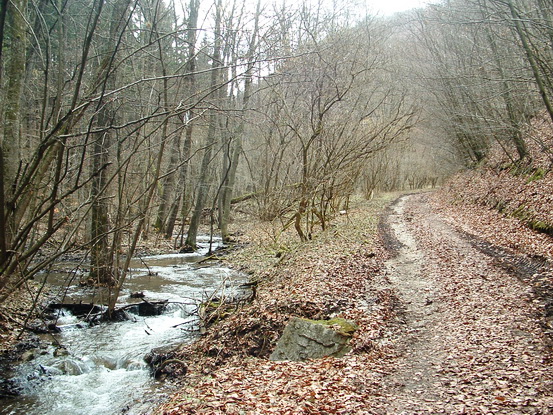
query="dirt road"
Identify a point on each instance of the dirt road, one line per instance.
(470, 334)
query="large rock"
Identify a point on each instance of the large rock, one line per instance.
(304, 339)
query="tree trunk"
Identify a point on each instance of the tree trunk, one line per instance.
(183, 177)
(235, 152)
(168, 186)
(190, 84)
(168, 183)
(515, 132)
(101, 261)
(205, 177)
(101, 257)
(11, 139)
(523, 35)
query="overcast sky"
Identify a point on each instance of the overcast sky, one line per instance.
(387, 7)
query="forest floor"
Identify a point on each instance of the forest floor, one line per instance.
(454, 305)
(473, 338)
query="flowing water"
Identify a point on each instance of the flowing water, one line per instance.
(100, 369)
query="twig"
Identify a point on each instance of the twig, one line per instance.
(211, 258)
(150, 273)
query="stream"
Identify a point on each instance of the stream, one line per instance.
(101, 368)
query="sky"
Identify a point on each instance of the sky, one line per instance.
(388, 7)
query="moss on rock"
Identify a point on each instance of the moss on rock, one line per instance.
(340, 325)
(304, 339)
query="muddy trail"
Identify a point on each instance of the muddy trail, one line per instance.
(471, 334)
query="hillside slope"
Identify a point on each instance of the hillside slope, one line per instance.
(521, 192)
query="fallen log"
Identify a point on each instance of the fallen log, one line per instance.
(146, 308)
(243, 198)
(77, 309)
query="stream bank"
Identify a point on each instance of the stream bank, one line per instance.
(100, 368)
(326, 277)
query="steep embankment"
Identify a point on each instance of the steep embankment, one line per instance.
(521, 193)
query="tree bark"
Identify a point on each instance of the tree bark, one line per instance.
(190, 84)
(168, 183)
(235, 150)
(10, 146)
(101, 268)
(204, 181)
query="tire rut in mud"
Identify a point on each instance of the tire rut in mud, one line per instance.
(465, 335)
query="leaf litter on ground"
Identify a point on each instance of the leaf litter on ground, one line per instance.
(480, 348)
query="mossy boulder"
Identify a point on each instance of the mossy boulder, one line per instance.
(304, 339)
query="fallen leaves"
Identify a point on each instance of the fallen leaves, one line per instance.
(482, 341)
(229, 371)
(254, 387)
(467, 339)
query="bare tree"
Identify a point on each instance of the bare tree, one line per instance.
(233, 147)
(330, 127)
(204, 181)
